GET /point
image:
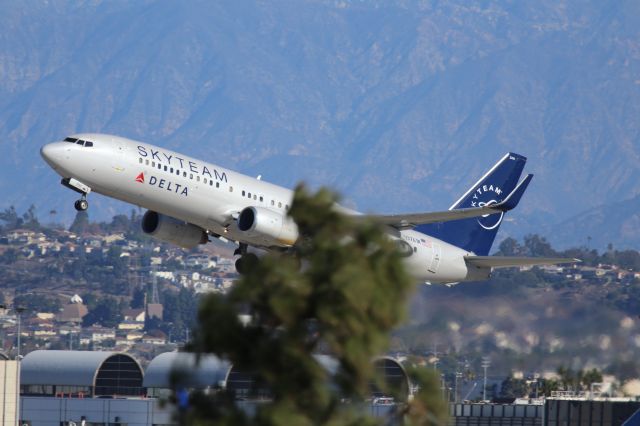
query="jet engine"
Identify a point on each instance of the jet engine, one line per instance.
(172, 230)
(267, 227)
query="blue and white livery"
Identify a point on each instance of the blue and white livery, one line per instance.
(189, 201)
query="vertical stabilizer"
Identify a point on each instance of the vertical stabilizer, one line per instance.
(477, 234)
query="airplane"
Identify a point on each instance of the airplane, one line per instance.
(189, 201)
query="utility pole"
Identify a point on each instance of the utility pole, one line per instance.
(486, 362)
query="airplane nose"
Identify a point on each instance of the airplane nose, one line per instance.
(51, 153)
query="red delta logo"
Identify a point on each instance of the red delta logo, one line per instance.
(140, 178)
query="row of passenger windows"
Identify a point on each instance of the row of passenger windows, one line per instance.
(79, 142)
(255, 197)
(177, 172)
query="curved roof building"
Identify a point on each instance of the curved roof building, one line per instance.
(80, 373)
(171, 369)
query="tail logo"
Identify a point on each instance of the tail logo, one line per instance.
(487, 195)
(140, 178)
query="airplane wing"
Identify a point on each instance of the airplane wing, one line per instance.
(508, 261)
(411, 220)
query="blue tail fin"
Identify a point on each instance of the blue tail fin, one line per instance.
(477, 234)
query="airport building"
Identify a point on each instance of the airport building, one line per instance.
(110, 388)
(73, 388)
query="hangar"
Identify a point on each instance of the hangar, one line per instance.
(80, 374)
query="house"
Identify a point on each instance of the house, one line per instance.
(134, 315)
(100, 334)
(155, 310)
(73, 312)
(134, 336)
(45, 315)
(131, 325)
(159, 338)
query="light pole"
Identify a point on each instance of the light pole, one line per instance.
(485, 364)
(455, 395)
(19, 312)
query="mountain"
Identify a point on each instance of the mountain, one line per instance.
(398, 105)
(617, 224)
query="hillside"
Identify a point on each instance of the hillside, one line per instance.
(398, 105)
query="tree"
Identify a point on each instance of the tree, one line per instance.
(37, 303)
(10, 218)
(80, 224)
(591, 376)
(139, 298)
(30, 219)
(514, 388)
(509, 247)
(343, 291)
(536, 246)
(106, 312)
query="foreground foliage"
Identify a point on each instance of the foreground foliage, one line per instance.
(341, 294)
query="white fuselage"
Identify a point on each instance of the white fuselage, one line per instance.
(210, 196)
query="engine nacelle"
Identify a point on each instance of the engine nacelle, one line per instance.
(172, 230)
(268, 227)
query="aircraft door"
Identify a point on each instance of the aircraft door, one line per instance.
(436, 254)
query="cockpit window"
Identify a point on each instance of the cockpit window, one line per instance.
(79, 142)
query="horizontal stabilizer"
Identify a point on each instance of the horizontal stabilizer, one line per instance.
(513, 199)
(411, 220)
(509, 262)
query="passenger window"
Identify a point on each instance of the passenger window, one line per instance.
(177, 172)
(231, 189)
(205, 180)
(286, 206)
(210, 183)
(249, 195)
(261, 198)
(243, 193)
(217, 184)
(415, 249)
(273, 203)
(153, 164)
(184, 174)
(279, 205)
(140, 160)
(254, 196)
(89, 144)
(165, 168)
(159, 166)
(190, 175)
(171, 170)
(147, 162)
(198, 178)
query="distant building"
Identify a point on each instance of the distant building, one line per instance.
(100, 334)
(73, 312)
(159, 339)
(131, 325)
(134, 315)
(155, 310)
